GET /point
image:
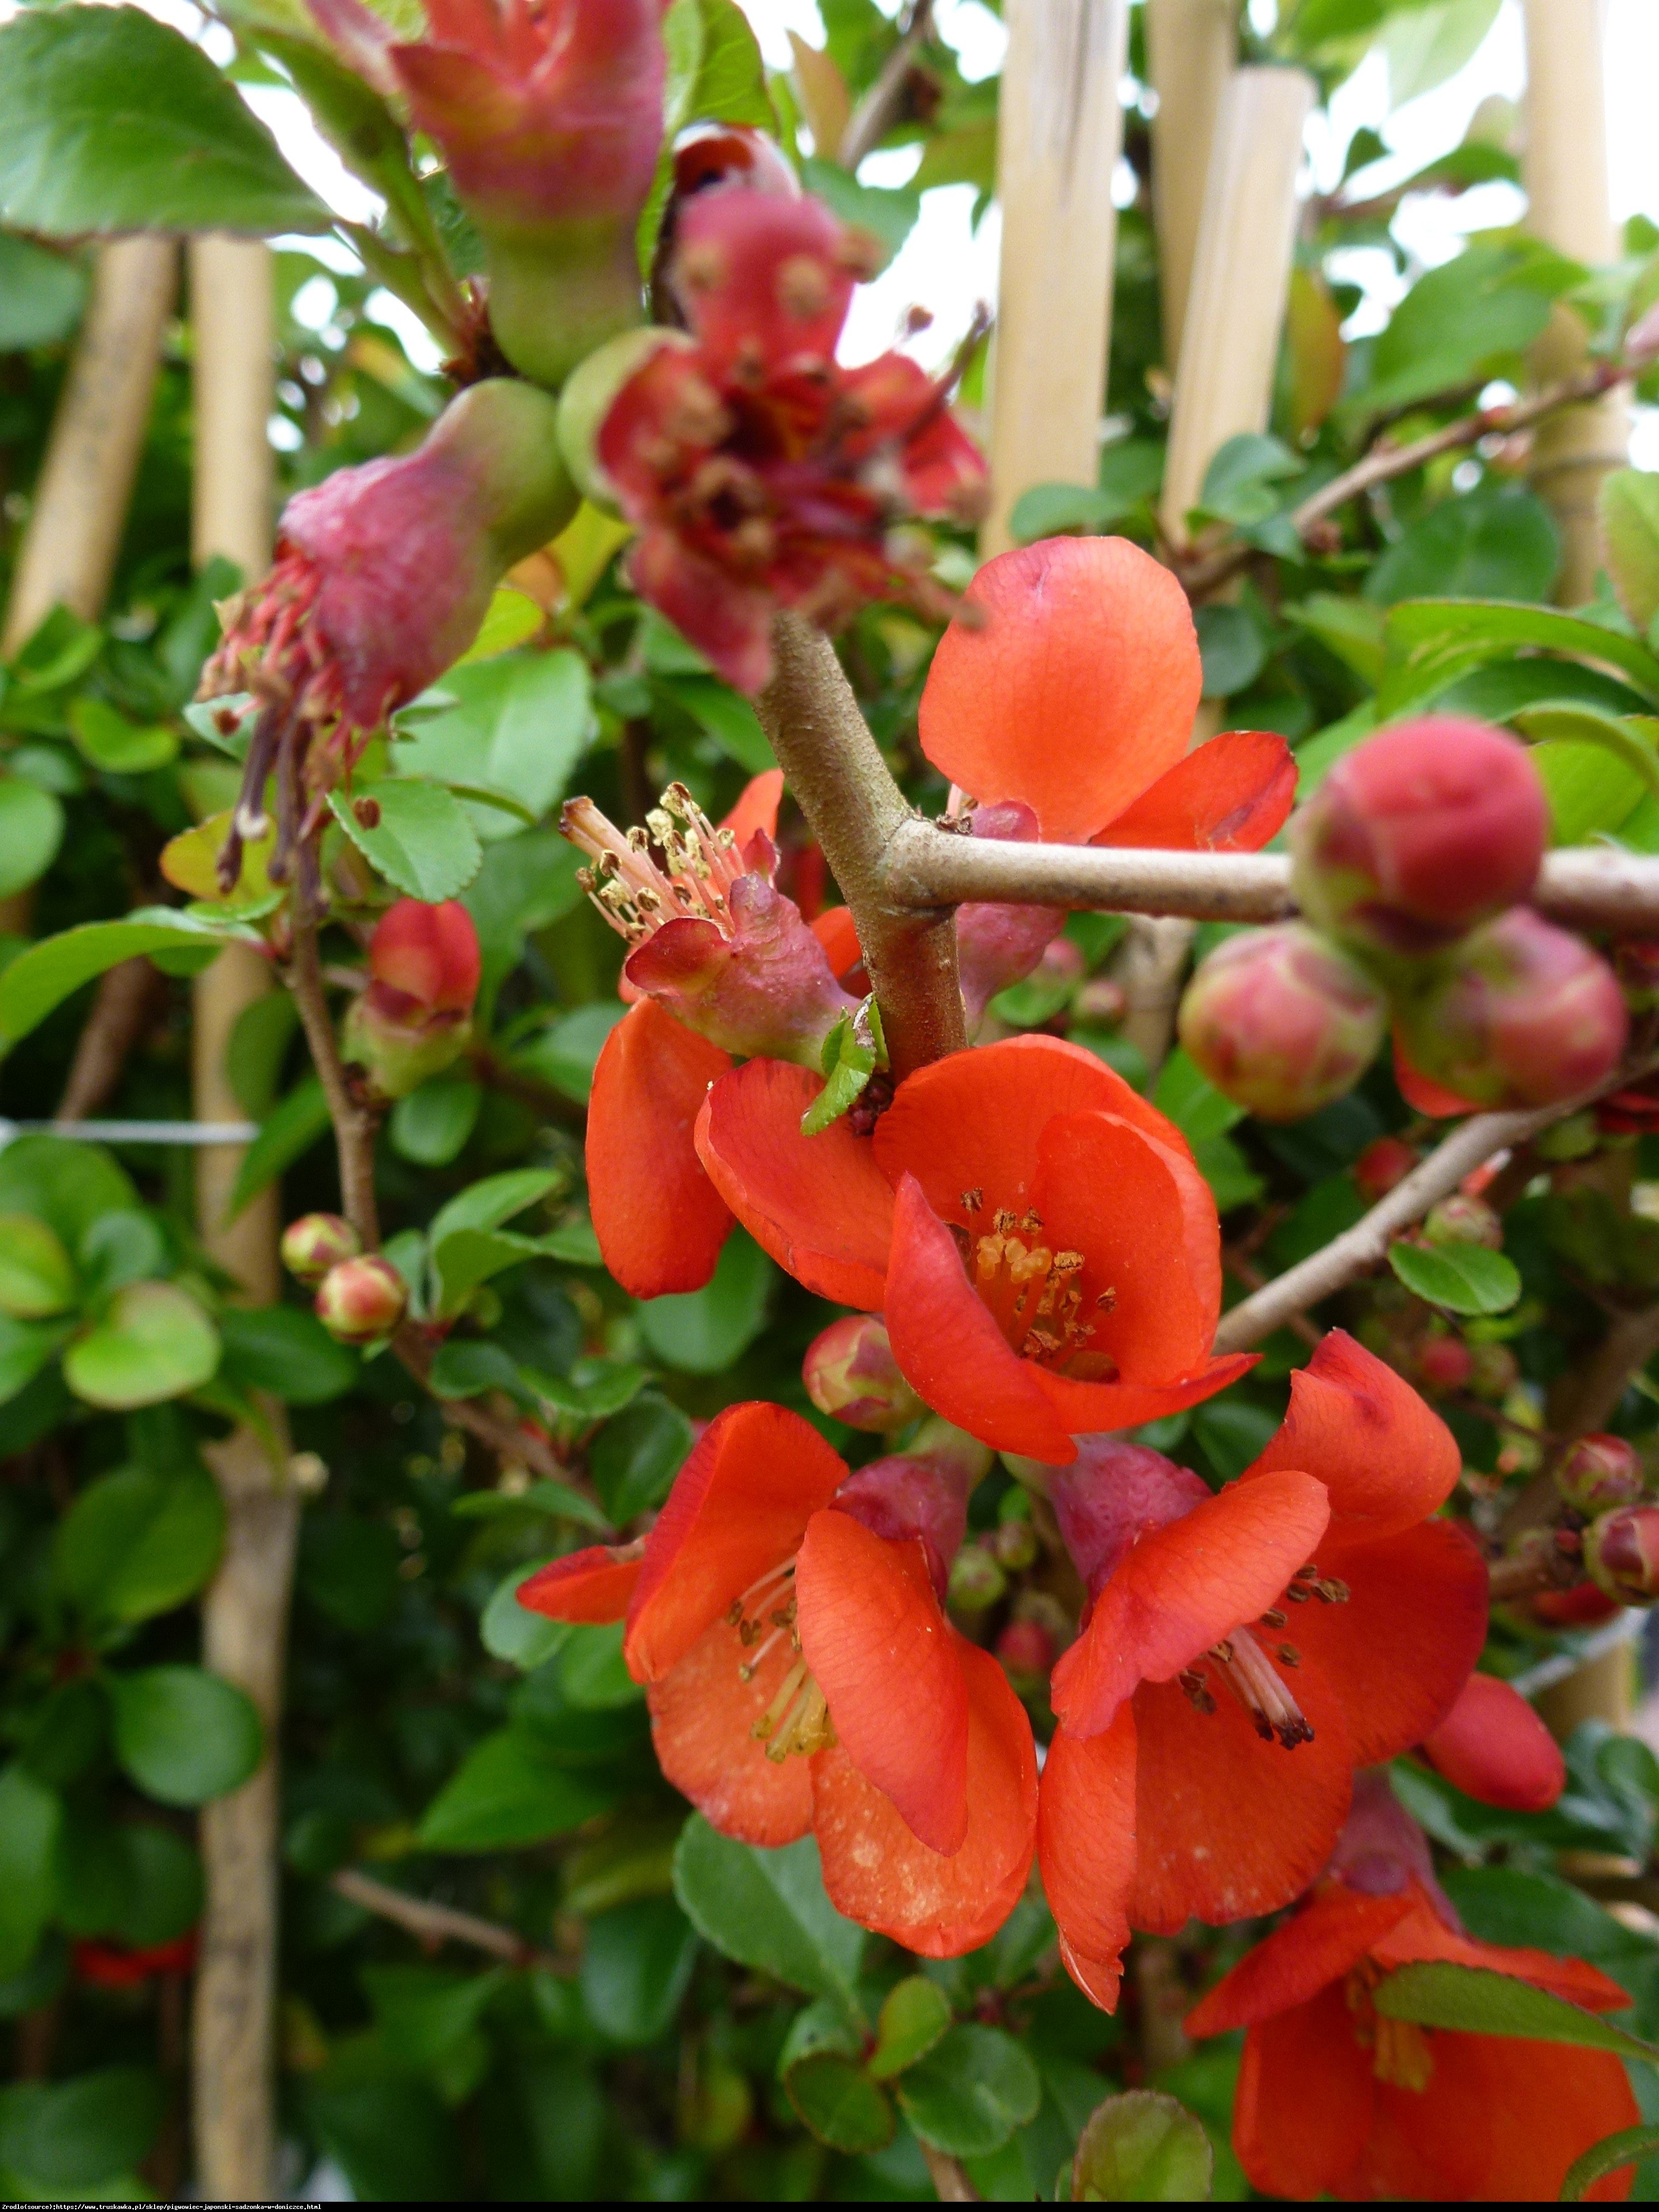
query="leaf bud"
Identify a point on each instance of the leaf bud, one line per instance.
(1385, 1162)
(976, 1580)
(850, 1373)
(1461, 1219)
(1281, 1022)
(1621, 1554)
(1601, 1472)
(316, 1243)
(361, 1300)
(1418, 834)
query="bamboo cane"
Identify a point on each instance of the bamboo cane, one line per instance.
(1565, 171)
(1191, 49)
(245, 1612)
(1060, 130)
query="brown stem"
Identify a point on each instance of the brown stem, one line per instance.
(1525, 1577)
(354, 1127)
(123, 1007)
(950, 2183)
(876, 112)
(443, 1923)
(856, 810)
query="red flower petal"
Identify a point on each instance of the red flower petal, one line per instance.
(1182, 1588)
(950, 1350)
(876, 1872)
(1402, 1647)
(703, 1713)
(1422, 1093)
(1305, 2099)
(1086, 1849)
(659, 1221)
(834, 930)
(738, 1507)
(731, 623)
(595, 1584)
(1230, 1826)
(1231, 795)
(1422, 1935)
(884, 1657)
(1291, 1966)
(1492, 1745)
(1074, 690)
(1387, 1461)
(756, 809)
(820, 1205)
(1084, 1408)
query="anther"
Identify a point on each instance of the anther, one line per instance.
(1273, 1618)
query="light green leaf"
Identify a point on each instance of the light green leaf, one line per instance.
(31, 829)
(37, 1276)
(110, 121)
(182, 1734)
(73, 1186)
(154, 1342)
(511, 617)
(422, 842)
(288, 1130)
(1432, 642)
(30, 1815)
(730, 80)
(1464, 1279)
(1192, 1101)
(120, 747)
(1142, 2147)
(517, 725)
(41, 293)
(914, 2015)
(467, 1257)
(886, 214)
(1605, 2157)
(1628, 506)
(701, 1332)
(1435, 1993)
(24, 1348)
(509, 1794)
(1427, 45)
(511, 1631)
(726, 716)
(136, 1543)
(767, 1909)
(971, 2092)
(45, 975)
(1500, 541)
(852, 1051)
(486, 1205)
(567, 1053)
(835, 2098)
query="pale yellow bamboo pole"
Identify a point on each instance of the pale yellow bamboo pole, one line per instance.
(245, 1612)
(1192, 46)
(1060, 133)
(1564, 167)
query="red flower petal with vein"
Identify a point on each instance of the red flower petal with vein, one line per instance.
(1231, 795)
(702, 1721)
(595, 1584)
(659, 1220)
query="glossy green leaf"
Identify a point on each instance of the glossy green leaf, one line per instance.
(971, 2092)
(1497, 543)
(509, 1794)
(182, 1734)
(41, 293)
(37, 1276)
(422, 842)
(31, 827)
(1142, 2147)
(593, 1672)
(637, 1454)
(1464, 1279)
(1435, 1993)
(154, 1342)
(1628, 506)
(45, 975)
(287, 1133)
(488, 1204)
(285, 1350)
(111, 121)
(636, 1963)
(1233, 648)
(431, 1126)
(702, 1331)
(1605, 2157)
(110, 742)
(767, 1909)
(566, 1053)
(510, 1631)
(1192, 1101)
(83, 2137)
(30, 1814)
(726, 715)
(1432, 642)
(517, 725)
(839, 2103)
(138, 1542)
(915, 2013)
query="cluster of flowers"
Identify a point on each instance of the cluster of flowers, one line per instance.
(1412, 863)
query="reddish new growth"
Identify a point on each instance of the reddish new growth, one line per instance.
(762, 473)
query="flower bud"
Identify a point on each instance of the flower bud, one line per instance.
(1601, 1472)
(1015, 1544)
(316, 1243)
(1281, 1022)
(415, 1018)
(1621, 1554)
(851, 1374)
(1420, 833)
(1102, 1000)
(1493, 1369)
(1492, 1745)
(361, 1300)
(1522, 1014)
(1025, 1647)
(1461, 1219)
(922, 1492)
(1445, 1363)
(1385, 1162)
(976, 1580)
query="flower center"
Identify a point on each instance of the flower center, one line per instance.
(798, 1718)
(700, 863)
(1035, 1293)
(1247, 1669)
(1401, 2054)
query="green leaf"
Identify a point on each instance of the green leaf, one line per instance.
(1463, 320)
(1232, 647)
(1628, 506)
(1606, 2157)
(1239, 484)
(971, 2092)
(767, 1909)
(566, 1053)
(423, 843)
(726, 715)
(637, 1454)
(41, 293)
(287, 1133)
(154, 1342)
(1497, 543)
(730, 80)
(37, 1276)
(509, 1794)
(486, 1205)
(45, 975)
(117, 746)
(511, 617)
(110, 121)
(1192, 1101)
(915, 2013)
(1432, 642)
(517, 725)
(349, 1567)
(24, 1348)
(1435, 1993)
(76, 2138)
(465, 1368)
(286, 1350)
(73, 1186)
(592, 1674)
(30, 1815)
(700, 1332)
(1142, 2147)
(852, 1052)
(431, 1124)
(636, 1963)
(1464, 1279)
(510, 1631)
(556, 1500)
(836, 2100)
(182, 1734)
(1426, 44)
(468, 1257)
(886, 214)
(138, 1542)
(31, 820)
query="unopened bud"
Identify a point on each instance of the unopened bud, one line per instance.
(1493, 1746)
(850, 1373)
(1522, 1014)
(1574, 1138)
(1599, 1474)
(1100, 1001)
(1461, 1219)
(1385, 1162)
(1445, 1363)
(362, 1299)
(1025, 1647)
(1015, 1544)
(1493, 1369)
(1420, 833)
(316, 1243)
(1621, 1554)
(1281, 1022)
(976, 1580)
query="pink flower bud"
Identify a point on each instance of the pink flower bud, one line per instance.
(1522, 1014)
(415, 1018)
(1025, 1647)
(1420, 833)
(1621, 1554)
(1385, 1162)
(1445, 1363)
(1601, 1472)
(362, 1299)
(316, 1243)
(922, 1492)
(1281, 1022)
(851, 1374)
(1101, 999)
(1493, 1746)
(997, 945)
(1461, 1219)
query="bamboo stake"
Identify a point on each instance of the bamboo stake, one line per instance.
(1566, 170)
(1060, 130)
(245, 1613)
(1191, 49)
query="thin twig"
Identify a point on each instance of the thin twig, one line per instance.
(949, 2180)
(876, 112)
(354, 1127)
(123, 1006)
(444, 1923)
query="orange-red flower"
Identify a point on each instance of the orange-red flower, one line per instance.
(1335, 2099)
(1244, 1652)
(1046, 1254)
(1492, 1745)
(803, 1676)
